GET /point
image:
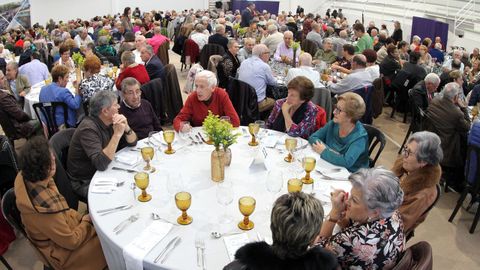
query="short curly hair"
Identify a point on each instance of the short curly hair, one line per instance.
(354, 105)
(36, 160)
(303, 86)
(92, 64)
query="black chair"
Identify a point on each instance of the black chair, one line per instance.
(410, 234)
(472, 187)
(154, 91)
(418, 118)
(173, 94)
(366, 93)
(244, 100)
(323, 98)
(209, 50)
(46, 111)
(375, 137)
(12, 215)
(309, 46)
(401, 85)
(8, 165)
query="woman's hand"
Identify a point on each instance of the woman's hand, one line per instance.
(318, 147)
(339, 204)
(286, 108)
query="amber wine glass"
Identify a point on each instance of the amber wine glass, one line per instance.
(169, 136)
(294, 185)
(290, 145)
(183, 200)
(253, 128)
(142, 181)
(247, 206)
(308, 163)
(147, 155)
(114, 70)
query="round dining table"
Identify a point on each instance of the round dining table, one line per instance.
(189, 169)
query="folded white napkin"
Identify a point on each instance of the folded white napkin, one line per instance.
(234, 242)
(102, 189)
(127, 157)
(270, 141)
(134, 252)
(108, 185)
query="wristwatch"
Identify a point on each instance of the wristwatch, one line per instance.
(129, 132)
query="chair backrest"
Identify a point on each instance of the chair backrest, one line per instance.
(162, 53)
(472, 171)
(323, 98)
(378, 96)
(190, 49)
(366, 93)
(309, 46)
(375, 137)
(46, 111)
(416, 257)
(213, 62)
(173, 93)
(8, 164)
(209, 50)
(60, 143)
(154, 92)
(244, 100)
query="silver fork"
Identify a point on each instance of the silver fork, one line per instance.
(199, 244)
(193, 141)
(120, 227)
(199, 140)
(119, 184)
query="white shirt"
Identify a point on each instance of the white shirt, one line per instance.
(200, 38)
(83, 42)
(357, 79)
(138, 59)
(374, 71)
(5, 54)
(306, 71)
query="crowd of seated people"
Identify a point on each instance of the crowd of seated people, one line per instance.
(395, 201)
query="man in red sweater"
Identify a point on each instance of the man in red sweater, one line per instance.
(131, 69)
(206, 97)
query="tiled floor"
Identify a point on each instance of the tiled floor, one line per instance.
(453, 246)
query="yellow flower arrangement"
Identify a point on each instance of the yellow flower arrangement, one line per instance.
(219, 131)
(78, 59)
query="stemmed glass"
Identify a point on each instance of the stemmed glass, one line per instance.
(290, 145)
(147, 155)
(142, 181)
(308, 163)
(253, 128)
(247, 206)
(183, 200)
(169, 136)
(261, 125)
(225, 198)
(226, 119)
(294, 185)
(152, 141)
(274, 184)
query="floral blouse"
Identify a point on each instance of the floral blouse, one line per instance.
(303, 129)
(374, 245)
(94, 84)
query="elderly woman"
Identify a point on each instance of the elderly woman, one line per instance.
(65, 58)
(425, 57)
(66, 238)
(228, 66)
(295, 222)
(372, 235)
(206, 97)
(104, 48)
(129, 68)
(344, 141)
(296, 114)
(419, 171)
(93, 82)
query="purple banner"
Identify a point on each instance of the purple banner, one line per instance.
(270, 6)
(430, 28)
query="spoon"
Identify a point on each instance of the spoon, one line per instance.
(155, 216)
(217, 235)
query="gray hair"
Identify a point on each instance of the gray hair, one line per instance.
(259, 49)
(231, 43)
(416, 38)
(290, 33)
(199, 28)
(210, 76)
(305, 59)
(149, 49)
(343, 34)
(428, 147)
(13, 64)
(296, 220)
(102, 40)
(130, 81)
(220, 28)
(272, 28)
(380, 188)
(451, 90)
(101, 100)
(327, 40)
(432, 78)
(128, 58)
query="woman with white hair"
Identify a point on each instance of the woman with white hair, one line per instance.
(419, 172)
(372, 235)
(206, 97)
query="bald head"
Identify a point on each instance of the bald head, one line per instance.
(305, 59)
(359, 61)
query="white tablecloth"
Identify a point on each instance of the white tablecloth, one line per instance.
(193, 165)
(33, 97)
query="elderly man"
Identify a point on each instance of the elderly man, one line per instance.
(305, 69)
(316, 34)
(219, 37)
(139, 112)
(82, 38)
(153, 64)
(96, 140)
(449, 119)
(357, 79)
(16, 84)
(140, 42)
(423, 92)
(157, 39)
(457, 54)
(256, 72)
(129, 68)
(284, 52)
(206, 97)
(198, 36)
(326, 54)
(273, 39)
(246, 52)
(35, 71)
(364, 40)
(339, 41)
(228, 28)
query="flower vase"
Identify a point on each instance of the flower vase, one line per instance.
(78, 74)
(228, 156)
(218, 165)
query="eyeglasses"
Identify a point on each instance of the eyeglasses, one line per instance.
(406, 152)
(338, 110)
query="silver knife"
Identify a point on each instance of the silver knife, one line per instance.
(301, 147)
(170, 250)
(123, 169)
(111, 209)
(165, 249)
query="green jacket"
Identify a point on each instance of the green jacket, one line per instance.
(365, 42)
(328, 57)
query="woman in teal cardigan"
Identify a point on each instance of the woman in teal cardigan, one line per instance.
(344, 140)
